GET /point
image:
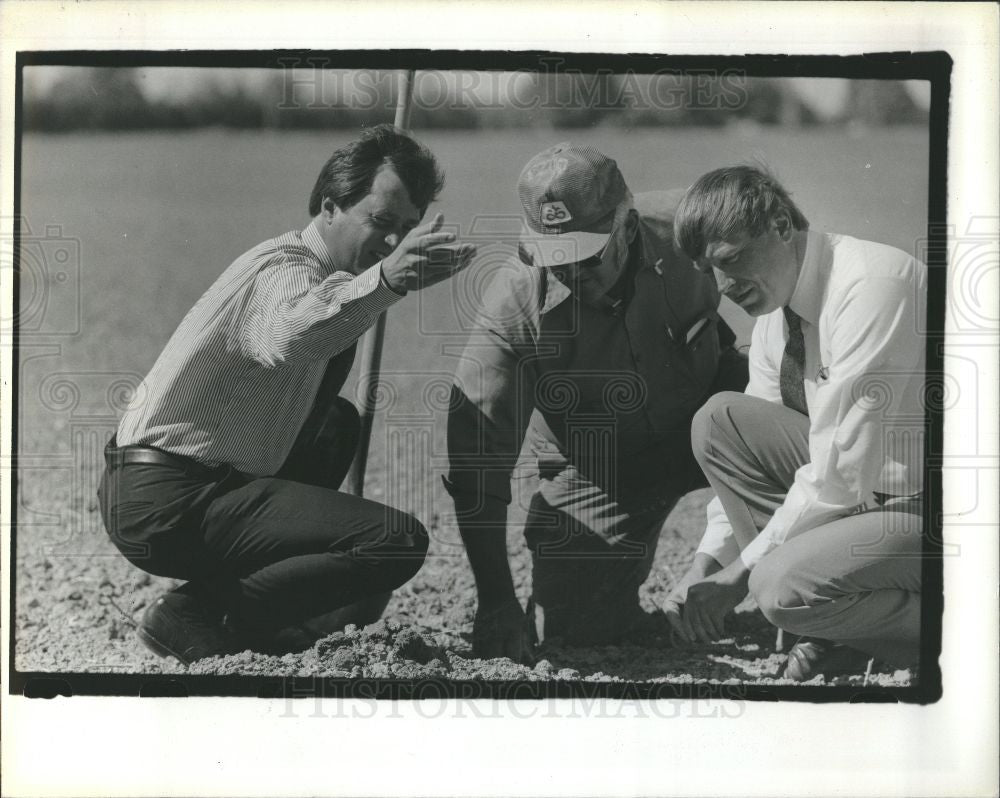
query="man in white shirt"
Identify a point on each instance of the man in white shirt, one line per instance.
(817, 467)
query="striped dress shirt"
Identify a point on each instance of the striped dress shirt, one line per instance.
(239, 376)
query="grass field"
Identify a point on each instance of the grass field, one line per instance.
(150, 220)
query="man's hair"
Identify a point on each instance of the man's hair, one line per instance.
(727, 202)
(347, 177)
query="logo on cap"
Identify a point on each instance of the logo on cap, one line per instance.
(554, 213)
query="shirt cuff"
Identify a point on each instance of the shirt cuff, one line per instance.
(718, 541)
(385, 283)
(373, 291)
(723, 550)
(759, 547)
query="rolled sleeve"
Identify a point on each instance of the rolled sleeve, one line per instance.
(493, 394)
(487, 418)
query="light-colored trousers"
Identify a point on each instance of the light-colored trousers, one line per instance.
(855, 580)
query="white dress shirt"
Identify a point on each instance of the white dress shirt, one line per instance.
(863, 307)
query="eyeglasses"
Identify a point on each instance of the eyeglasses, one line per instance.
(593, 261)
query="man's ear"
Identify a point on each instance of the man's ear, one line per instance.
(328, 209)
(782, 223)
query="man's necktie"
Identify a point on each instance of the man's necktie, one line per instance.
(793, 365)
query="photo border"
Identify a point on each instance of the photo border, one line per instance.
(934, 67)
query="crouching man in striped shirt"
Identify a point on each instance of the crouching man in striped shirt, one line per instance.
(226, 467)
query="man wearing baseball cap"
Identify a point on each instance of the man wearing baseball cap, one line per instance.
(599, 346)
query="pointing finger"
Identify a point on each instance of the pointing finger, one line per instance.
(711, 628)
(704, 627)
(686, 629)
(429, 240)
(693, 622)
(443, 255)
(430, 227)
(463, 263)
(676, 629)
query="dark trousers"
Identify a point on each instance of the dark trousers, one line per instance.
(591, 551)
(589, 556)
(268, 552)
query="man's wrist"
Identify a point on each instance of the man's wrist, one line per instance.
(705, 564)
(738, 573)
(382, 279)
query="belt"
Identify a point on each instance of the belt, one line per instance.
(886, 500)
(118, 456)
(881, 499)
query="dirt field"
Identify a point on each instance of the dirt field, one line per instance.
(78, 614)
(150, 220)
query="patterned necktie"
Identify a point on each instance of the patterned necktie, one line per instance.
(793, 365)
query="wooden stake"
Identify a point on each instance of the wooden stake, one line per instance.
(371, 346)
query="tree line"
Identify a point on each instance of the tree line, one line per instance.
(113, 99)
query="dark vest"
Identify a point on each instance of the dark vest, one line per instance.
(615, 392)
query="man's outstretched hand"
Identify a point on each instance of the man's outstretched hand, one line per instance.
(697, 607)
(502, 631)
(424, 257)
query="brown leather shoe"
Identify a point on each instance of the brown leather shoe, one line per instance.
(177, 625)
(811, 657)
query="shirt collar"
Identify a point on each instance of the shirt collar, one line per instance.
(807, 299)
(312, 239)
(555, 293)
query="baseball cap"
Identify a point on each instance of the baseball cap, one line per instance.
(569, 195)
